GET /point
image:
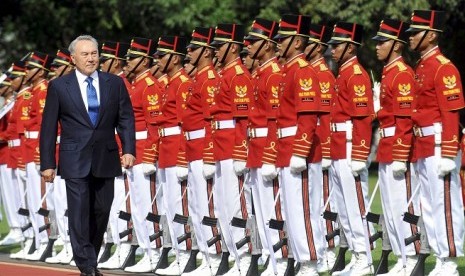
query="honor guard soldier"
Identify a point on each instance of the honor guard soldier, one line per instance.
(143, 88)
(112, 59)
(199, 150)
(15, 134)
(394, 113)
(38, 64)
(262, 121)
(436, 128)
(172, 161)
(298, 147)
(351, 117)
(229, 112)
(314, 53)
(62, 64)
(11, 195)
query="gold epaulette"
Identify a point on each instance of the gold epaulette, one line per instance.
(43, 86)
(149, 81)
(357, 70)
(239, 70)
(211, 74)
(302, 63)
(323, 67)
(401, 66)
(275, 67)
(442, 59)
(183, 78)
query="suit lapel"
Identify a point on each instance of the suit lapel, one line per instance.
(75, 95)
(104, 87)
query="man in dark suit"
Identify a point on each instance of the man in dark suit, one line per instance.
(89, 105)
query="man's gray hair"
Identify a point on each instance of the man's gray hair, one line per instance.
(72, 45)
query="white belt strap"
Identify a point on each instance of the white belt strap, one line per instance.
(224, 124)
(58, 139)
(141, 135)
(387, 132)
(31, 134)
(169, 131)
(286, 131)
(195, 134)
(257, 132)
(423, 131)
(14, 143)
(337, 127)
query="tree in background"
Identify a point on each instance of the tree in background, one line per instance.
(47, 25)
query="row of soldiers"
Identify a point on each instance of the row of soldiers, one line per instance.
(262, 159)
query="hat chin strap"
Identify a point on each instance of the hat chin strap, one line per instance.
(254, 57)
(111, 64)
(197, 60)
(32, 77)
(135, 67)
(343, 52)
(167, 63)
(307, 57)
(226, 53)
(386, 60)
(421, 40)
(287, 48)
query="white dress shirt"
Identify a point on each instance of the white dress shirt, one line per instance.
(83, 86)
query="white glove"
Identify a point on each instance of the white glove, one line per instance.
(239, 167)
(357, 167)
(22, 174)
(325, 163)
(398, 168)
(181, 173)
(297, 164)
(445, 166)
(376, 95)
(269, 172)
(208, 170)
(148, 168)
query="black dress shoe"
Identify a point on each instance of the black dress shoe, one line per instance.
(97, 272)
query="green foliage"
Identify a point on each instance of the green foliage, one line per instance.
(46, 25)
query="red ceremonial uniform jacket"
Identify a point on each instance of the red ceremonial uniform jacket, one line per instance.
(232, 101)
(396, 101)
(4, 151)
(267, 79)
(298, 107)
(152, 104)
(172, 148)
(439, 98)
(36, 106)
(327, 82)
(11, 134)
(353, 101)
(21, 114)
(143, 86)
(196, 113)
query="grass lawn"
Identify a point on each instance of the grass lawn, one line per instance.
(376, 208)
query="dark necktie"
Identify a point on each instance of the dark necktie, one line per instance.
(92, 101)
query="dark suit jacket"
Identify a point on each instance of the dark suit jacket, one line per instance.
(84, 147)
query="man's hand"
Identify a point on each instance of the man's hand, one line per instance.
(239, 167)
(297, 164)
(127, 160)
(269, 172)
(398, 168)
(445, 166)
(148, 168)
(48, 175)
(357, 167)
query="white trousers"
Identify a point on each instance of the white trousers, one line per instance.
(21, 177)
(351, 200)
(229, 203)
(395, 194)
(33, 196)
(264, 195)
(139, 187)
(442, 208)
(199, 199)
(328, 193)
(173, 197)
(11, 197)
(302, 205)
(119, 204)
(61, 205)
